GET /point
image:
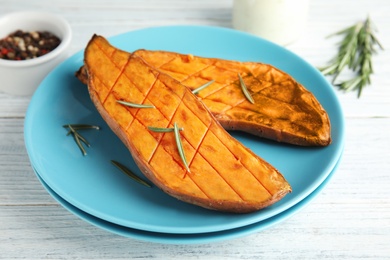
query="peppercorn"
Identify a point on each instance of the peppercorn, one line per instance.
(21, 45)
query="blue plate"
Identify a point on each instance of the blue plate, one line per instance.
(92, 184)
(202, 238)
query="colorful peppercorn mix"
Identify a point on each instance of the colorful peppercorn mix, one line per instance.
(22, 45)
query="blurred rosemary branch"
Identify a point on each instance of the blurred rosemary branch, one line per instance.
(355, 52)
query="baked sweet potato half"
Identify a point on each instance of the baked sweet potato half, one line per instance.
(283, 109)
(222, 174)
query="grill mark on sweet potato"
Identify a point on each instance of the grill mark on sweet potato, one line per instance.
(200, 154)
(229, 168)
(266, 75)
(207, 96)
(196, 74)
(171, 73)
(233, 83)
(170, 124)
(252, 108)
(161, 140)
(135, 111)
(208, 92)
(178, 161)
(232, 153)
(161, 136)
(189, 159)
(234, 93)
(134, 119)
(197, 151)
(227, 92)
(205, 92)
(200, 144)
(193, 74)
(225, 180)
(121, 69)
(190, 175)
(145, 95)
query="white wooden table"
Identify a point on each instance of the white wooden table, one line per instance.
(349, 220)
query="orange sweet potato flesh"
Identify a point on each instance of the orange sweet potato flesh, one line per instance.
(224, 175)
(283, 110)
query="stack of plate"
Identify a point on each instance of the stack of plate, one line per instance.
(96, 191)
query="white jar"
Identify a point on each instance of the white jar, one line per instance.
(280, 21)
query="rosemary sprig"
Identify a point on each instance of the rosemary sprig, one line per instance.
(197, 90)
(355, 52)
(78, 136)
(83, 126)
(162, 129)
(79, 139)
(245, 90)
(134, 105)
(130, 174)
(180, 146)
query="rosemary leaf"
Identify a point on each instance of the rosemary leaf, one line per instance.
(134, 105)
(81, 138)
(76, 127)
(78, 137)
(180, 146)
(197, 90)
(131, 174)
(245, 90)
(162, 129)
(79, 144)
(82, 126)
(84, 152)
(355, 51)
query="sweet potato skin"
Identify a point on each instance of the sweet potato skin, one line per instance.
(256, 184)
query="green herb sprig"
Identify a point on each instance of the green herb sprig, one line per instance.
(163, 129)
(134, 105)
(355, 52)
(79, 139)
(180, 146)
(245, 90)
(129, 173)
(197, 90)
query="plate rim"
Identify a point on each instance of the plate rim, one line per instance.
(197, 238)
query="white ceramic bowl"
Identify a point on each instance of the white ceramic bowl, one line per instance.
(22, 77)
